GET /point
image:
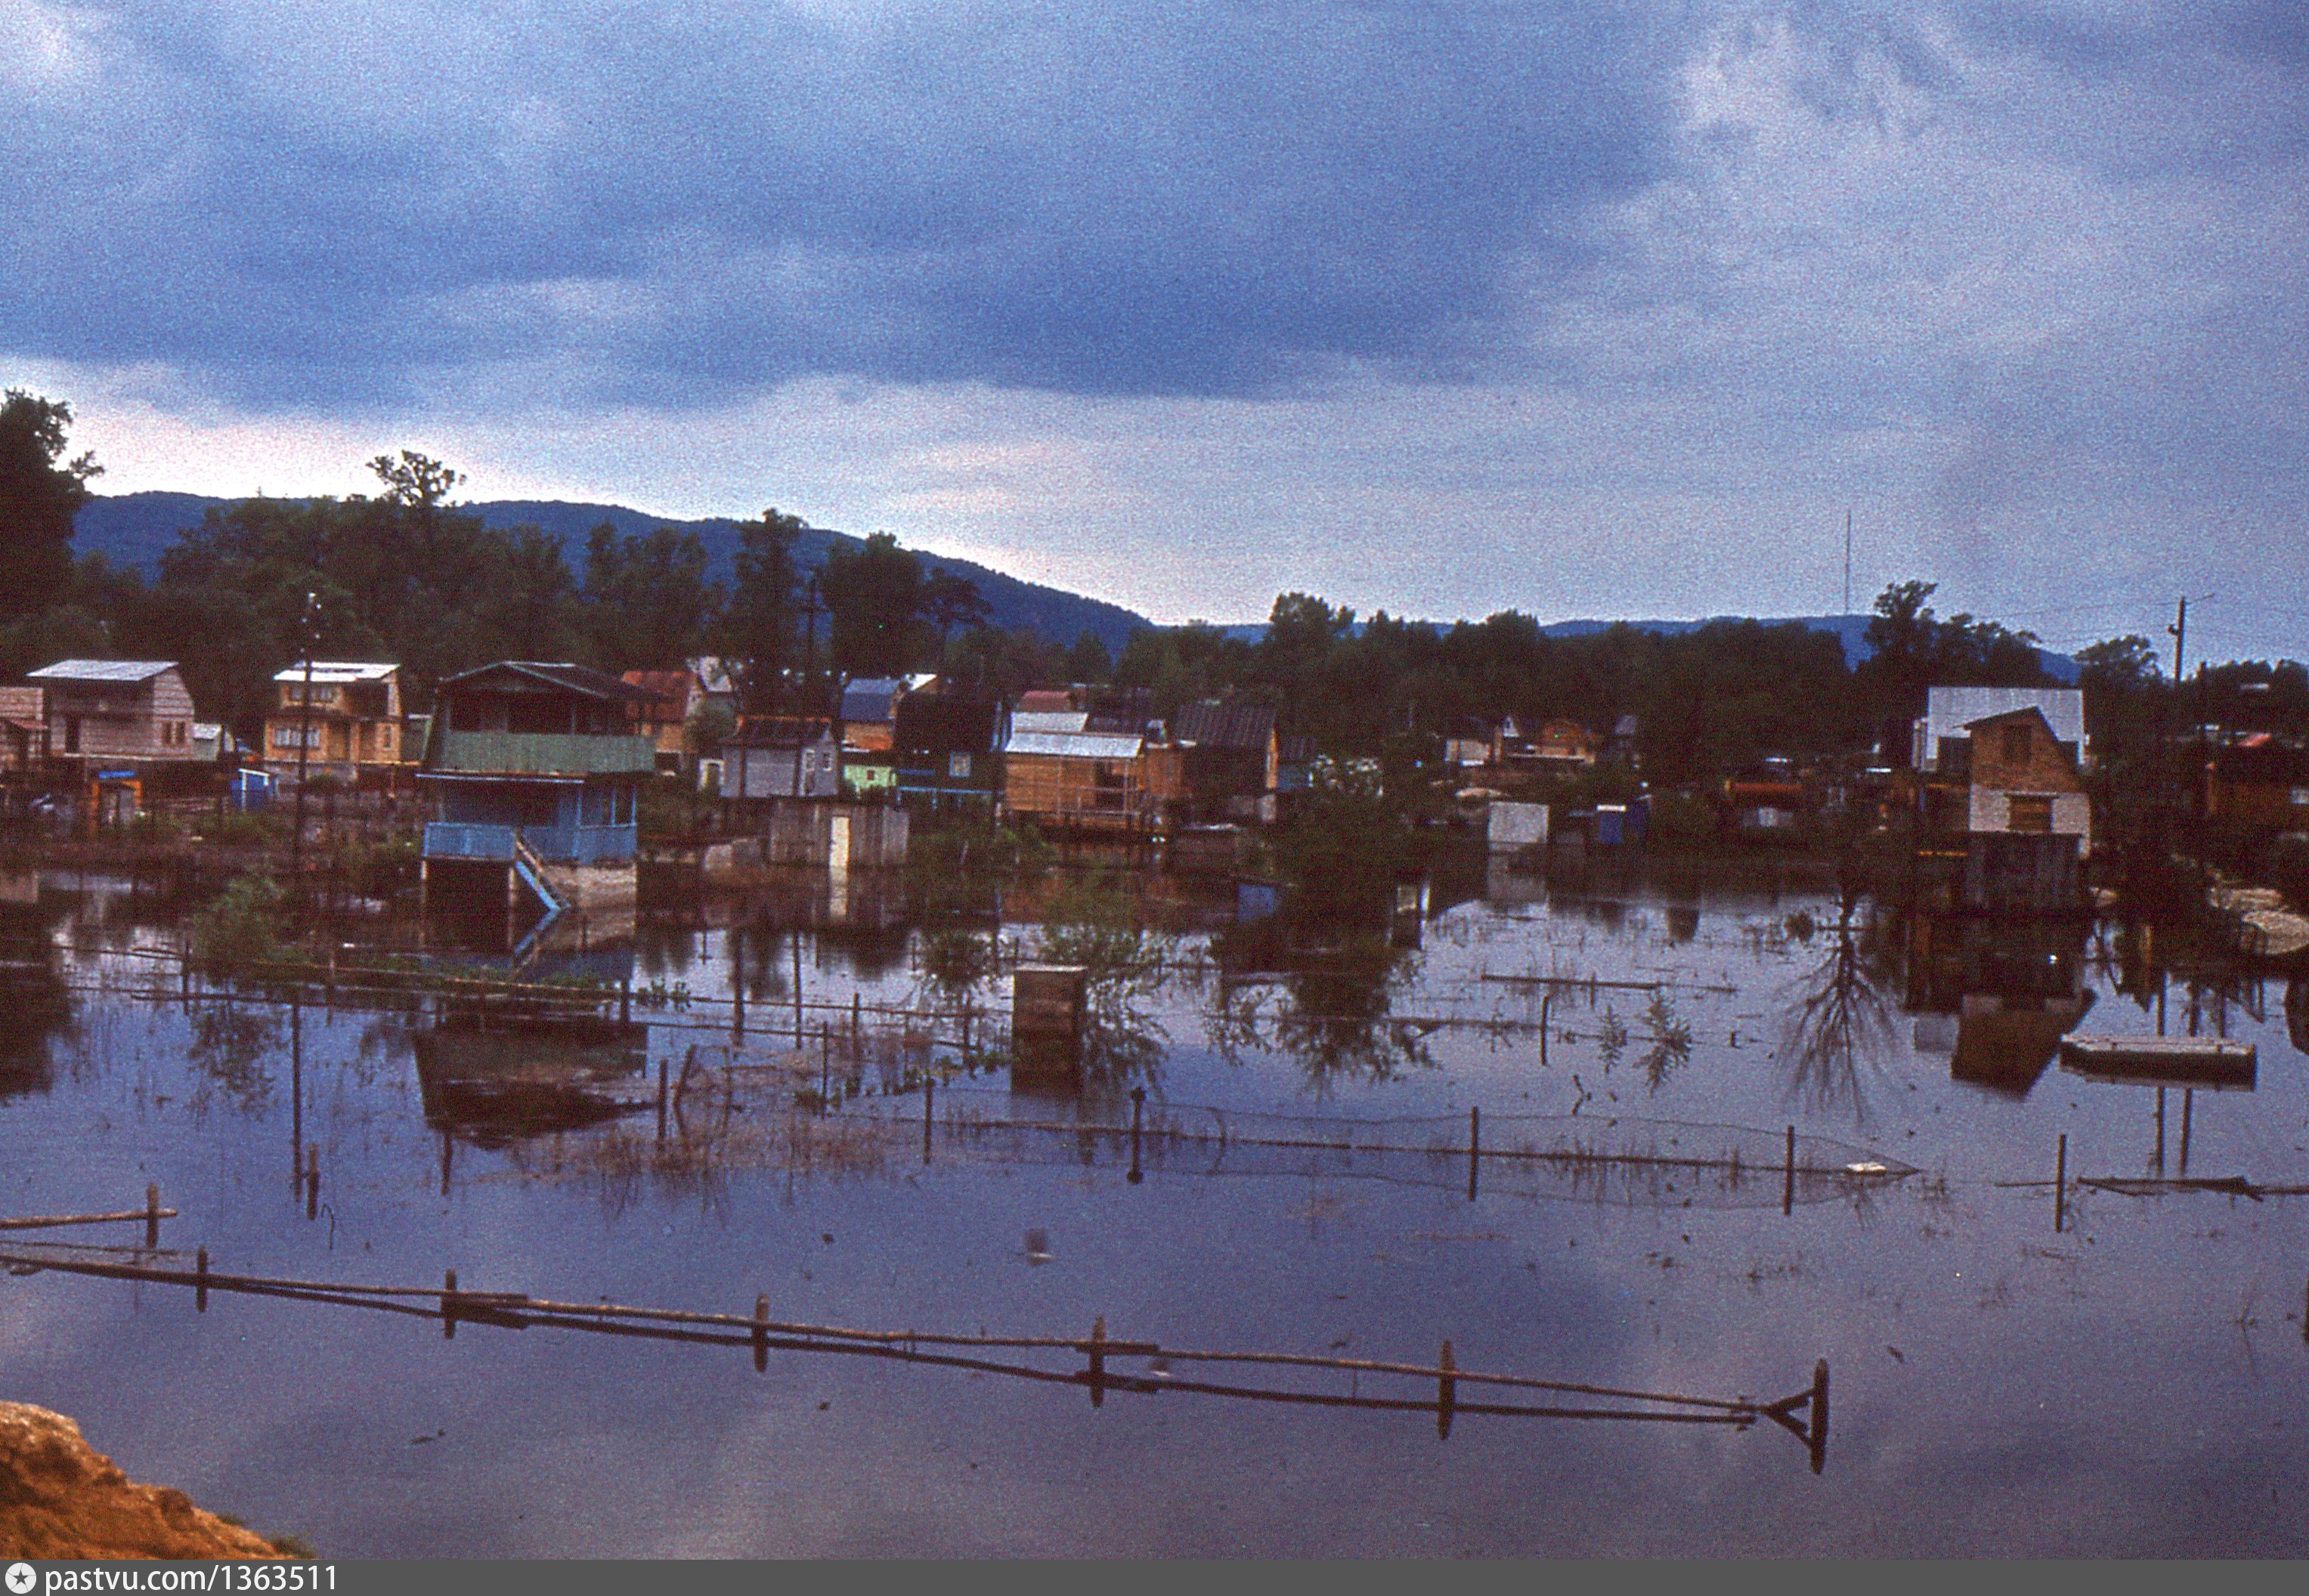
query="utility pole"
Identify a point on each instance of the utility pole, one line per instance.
(303, 747)
(1848, 560)
(810, 610)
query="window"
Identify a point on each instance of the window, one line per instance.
(957, 767)
(285, 736)
(2015, 744)
(2028, 812)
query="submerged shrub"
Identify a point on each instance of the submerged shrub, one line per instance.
(247, 923)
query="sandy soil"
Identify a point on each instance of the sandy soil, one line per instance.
(60, 1498)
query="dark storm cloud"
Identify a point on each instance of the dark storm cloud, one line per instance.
(349, 201)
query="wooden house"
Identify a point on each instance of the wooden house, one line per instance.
(348, 715)
(2259, 782)
(1558, 745)
(677, 699)
(118, 711)
(2007, 791)
(948, 749)
(1087, 779)
(1950, 711)
(781, 757)
(536, 774)
(23, 729)
(1232, 758)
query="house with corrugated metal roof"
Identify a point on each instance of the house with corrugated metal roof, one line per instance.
(1231, 758)
(348, 715)
(115, 710)
(1070, 776)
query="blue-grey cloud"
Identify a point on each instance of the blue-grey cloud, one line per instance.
(1219, 198)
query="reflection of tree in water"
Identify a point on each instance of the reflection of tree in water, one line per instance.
(1093, 925)
(1328, 1007)
(34, 1004)
(1841, 1016)
(227, 1045)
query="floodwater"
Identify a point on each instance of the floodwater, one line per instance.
(2135, 1382)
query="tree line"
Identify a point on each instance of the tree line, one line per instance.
(404, 575)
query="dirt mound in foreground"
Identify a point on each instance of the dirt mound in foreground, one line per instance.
(60, 1498)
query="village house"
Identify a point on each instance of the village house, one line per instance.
(115, 710)
(2008, 792)
(349, 717)
(536, 774)
(1231, 759)
(1550, 746)
(677, 698)
(1070, 776)
(782, 756)
(1470, 745)
(948, 750)
(2259, 782)
(23, 729)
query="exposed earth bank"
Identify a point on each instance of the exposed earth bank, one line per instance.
(60, 1498)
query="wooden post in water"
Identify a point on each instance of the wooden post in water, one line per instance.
(1788, 1190)
(2156, 1159)
(312, 1180)
(625, 1000)
(1137, 1110)
(1097, 1350)
(448, 1306)
(2060, 1184)
(2188, 1104)
(929, 1093)
(201, 1280)
(152, 1213)
(1816, 1438)
(855, 1015)
(1546, 999)
(661, 1067)
(762, 1334)
(738, 983)
(1447, 1391)
(1475, 1147)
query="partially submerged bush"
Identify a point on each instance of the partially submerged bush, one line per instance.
(247, 923)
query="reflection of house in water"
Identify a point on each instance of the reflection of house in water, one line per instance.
(34, 1002)
(2014, 987)
(494, 1082)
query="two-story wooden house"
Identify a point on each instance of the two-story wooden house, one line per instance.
(536, 773)
(2006, 790)
(134, 712)
(346, 715)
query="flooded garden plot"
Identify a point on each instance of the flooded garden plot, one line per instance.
(1634, 1138)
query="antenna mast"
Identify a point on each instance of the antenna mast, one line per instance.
(1848, 559)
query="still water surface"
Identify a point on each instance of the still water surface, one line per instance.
(2136, 1383)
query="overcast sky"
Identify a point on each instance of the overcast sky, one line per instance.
(1586, 310)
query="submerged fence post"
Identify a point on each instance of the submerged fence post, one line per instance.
(663, 1065)
(201, 1280)
(312, 1180)
(1137, 1108)
(762, 1334)
(1788, 1190)
(929, 1096)
(2060, 1184)
(1546, 999)
(1097, 1350)
(152, 1213)
(448, 1305)
(625, 1000)
(1816, 1439)
(1447, 1391)
(1475, 1147)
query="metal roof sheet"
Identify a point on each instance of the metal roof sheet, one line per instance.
(100, 670)
(338, 672)
(1075, 745)
(1049, 720)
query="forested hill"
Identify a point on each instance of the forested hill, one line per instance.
(132, 529)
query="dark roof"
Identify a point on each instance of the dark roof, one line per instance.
(582, 679)
(871, 698)
(929, 723)
(1123, 709)
(670, 689)
(1213, 724)
(1294, 748)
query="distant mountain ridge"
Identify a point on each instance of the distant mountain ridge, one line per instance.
(134, 530)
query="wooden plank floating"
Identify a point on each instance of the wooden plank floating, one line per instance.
(2197, 1061)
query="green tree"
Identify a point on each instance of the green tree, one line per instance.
(647, 602)
(758, 625)
(38, 499)
(874, 595)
